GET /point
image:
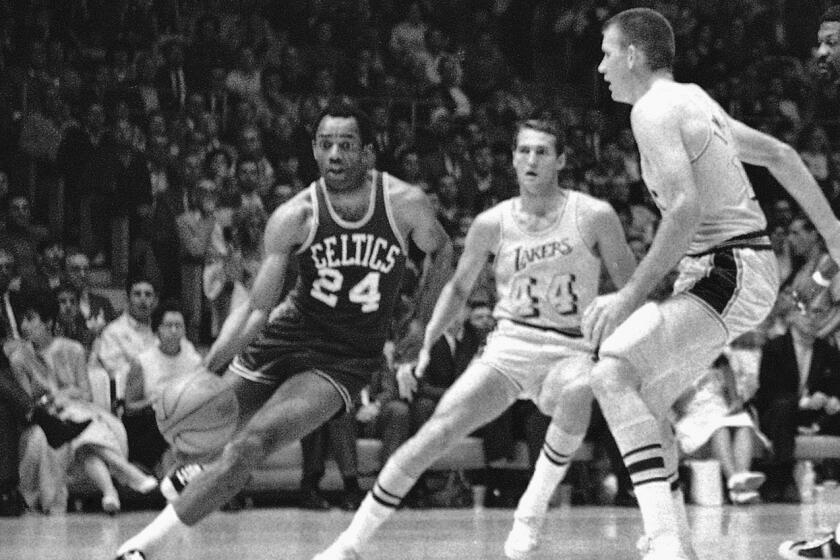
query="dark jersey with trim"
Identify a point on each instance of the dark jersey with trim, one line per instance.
(350, 272)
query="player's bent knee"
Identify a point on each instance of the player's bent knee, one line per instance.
(570, 396)
(612, 377)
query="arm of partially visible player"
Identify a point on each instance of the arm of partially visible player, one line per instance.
(612, 246)
(482, 236)
(658, 132)
(242, 325)
(430, 237)
(787, 167)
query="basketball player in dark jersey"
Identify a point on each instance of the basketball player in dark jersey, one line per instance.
(349, 232)
(828, 67)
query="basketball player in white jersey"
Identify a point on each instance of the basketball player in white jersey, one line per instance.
(712, 229)
(548, 246)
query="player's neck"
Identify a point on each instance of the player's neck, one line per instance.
(648, 82)
(542, 203)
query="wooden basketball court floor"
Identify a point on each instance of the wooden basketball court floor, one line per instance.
(573, 533)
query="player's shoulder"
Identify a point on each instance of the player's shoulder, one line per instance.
(593, 213)
(665, 101)
(290, 217)
(587, 202)
(403, 193)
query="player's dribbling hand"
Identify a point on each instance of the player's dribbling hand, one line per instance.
(603, 315)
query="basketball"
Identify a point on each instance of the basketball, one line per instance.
(198, 413)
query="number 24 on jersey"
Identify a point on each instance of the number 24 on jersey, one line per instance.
(365, 292)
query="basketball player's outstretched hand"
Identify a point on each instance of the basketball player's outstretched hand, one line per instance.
(604, 315)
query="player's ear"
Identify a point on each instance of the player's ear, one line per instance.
(561, 160)
(632, 56)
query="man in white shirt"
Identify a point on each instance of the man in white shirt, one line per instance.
(124, 338)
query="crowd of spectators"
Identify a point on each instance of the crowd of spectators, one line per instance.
(151, 139)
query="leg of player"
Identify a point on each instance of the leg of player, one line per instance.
(670, 453)
(298, 406)
(478, 396)
(567, 396)
(638, 434)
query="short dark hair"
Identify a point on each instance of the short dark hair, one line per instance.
(246, 159)
(49, 241)
(139, 279)
(42, 302)
(345, 108)
(649, 31)
(64, 286)
(168, 306)
(831, 14)
(546, 124)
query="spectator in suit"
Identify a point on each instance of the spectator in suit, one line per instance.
(9, 302)
(79, 147)
(197, 229)
(251, 146)
(70, 323)
(452, 159)
(50, 264)
(490, 187)
(798, 390)
(172, 82)
(96, 309)
(22, 237)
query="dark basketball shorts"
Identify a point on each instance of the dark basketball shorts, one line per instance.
(290, 344)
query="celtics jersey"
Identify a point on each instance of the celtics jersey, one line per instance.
(545, 279)
(350, 272)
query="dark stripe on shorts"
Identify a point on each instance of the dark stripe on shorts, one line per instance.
(571, 333)
(646, 465)
(756, 240)
(718, 287)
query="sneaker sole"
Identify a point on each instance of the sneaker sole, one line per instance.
(750, 483)
(788, 551)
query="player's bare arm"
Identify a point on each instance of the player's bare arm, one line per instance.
(659, 130)
(287, 229)
(482, 238)
(416, 220)
(609, 242)
(787, 167)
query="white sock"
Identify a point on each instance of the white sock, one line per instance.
(551, 467)
(370, 515)
(162, 527)
(640, 442)
(657, 508)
